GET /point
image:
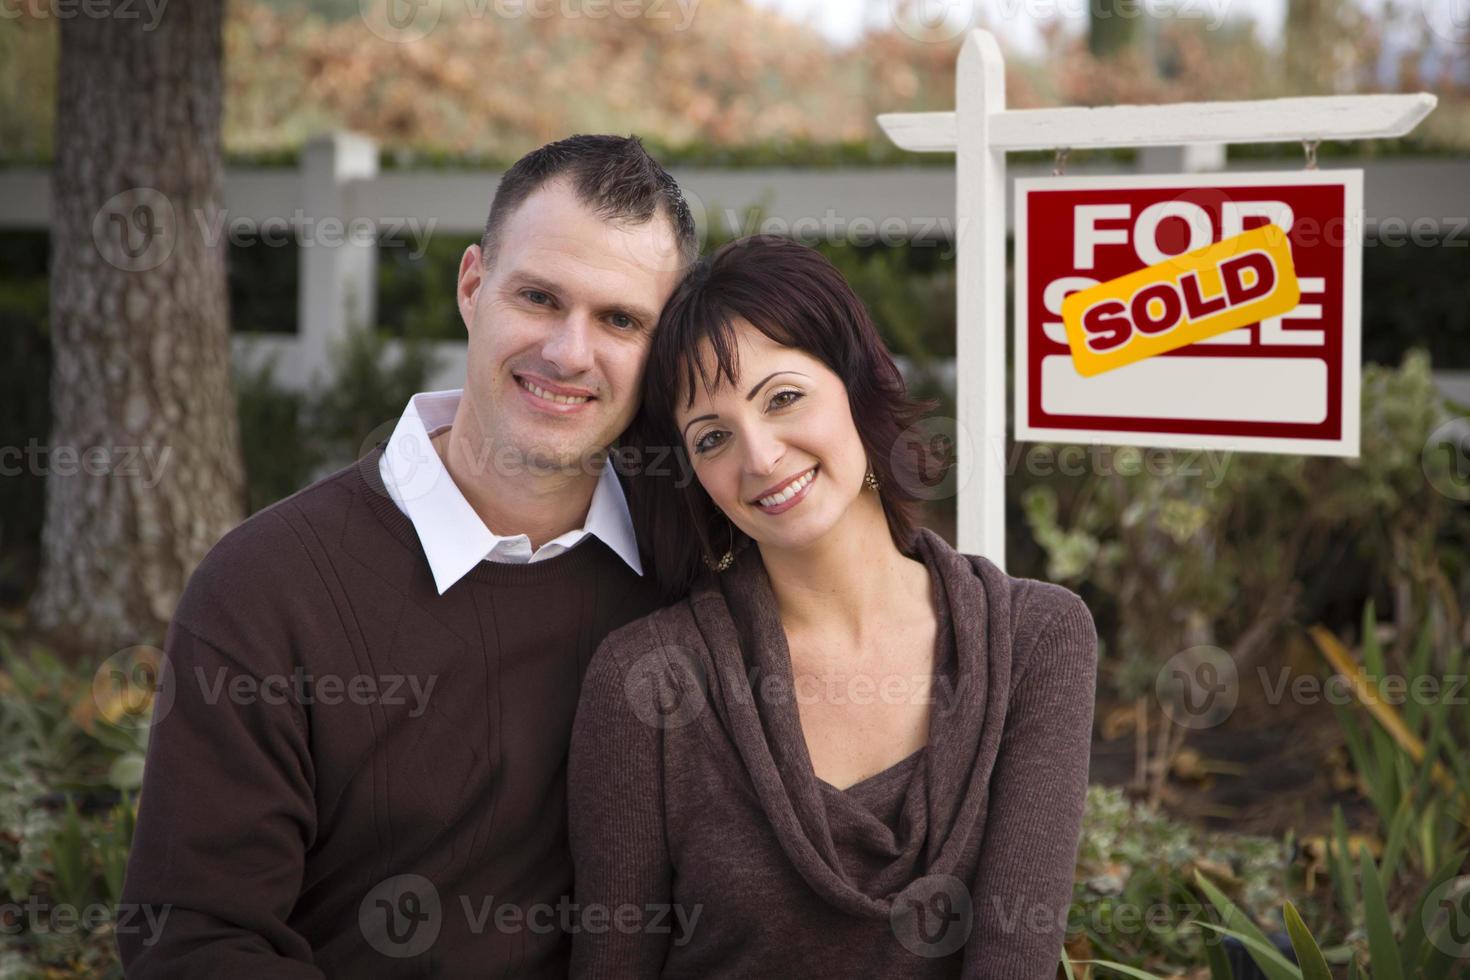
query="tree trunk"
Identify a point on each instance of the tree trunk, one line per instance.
(1113, 26)
(143, 470)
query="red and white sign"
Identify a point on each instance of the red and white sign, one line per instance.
(1288, 383)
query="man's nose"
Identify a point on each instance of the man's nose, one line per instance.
(569, 348)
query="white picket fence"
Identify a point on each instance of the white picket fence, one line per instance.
(337, 192)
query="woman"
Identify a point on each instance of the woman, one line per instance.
(850, 751)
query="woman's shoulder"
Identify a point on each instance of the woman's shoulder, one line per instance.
(647, 676)
(653, 637)
(1040, 611)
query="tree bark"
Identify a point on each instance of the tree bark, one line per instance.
(143, 470)
(1113, 26)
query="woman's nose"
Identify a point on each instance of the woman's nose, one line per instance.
(763, 452)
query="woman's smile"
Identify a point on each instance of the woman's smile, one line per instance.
(788, 494)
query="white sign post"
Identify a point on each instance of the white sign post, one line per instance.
(982, 130)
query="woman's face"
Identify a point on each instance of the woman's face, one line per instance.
(777, 451)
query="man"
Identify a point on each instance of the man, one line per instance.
(357, 762)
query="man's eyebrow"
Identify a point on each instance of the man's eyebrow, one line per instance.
(520, 280)
(638, 313)
(748, 397)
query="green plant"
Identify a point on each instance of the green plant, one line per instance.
(1222, 549)
(289, 437)
(1410, 763)
(69, 755)
(1416, 955)
(370, 385)
(1132, 899)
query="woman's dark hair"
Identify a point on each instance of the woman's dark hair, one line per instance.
(796, 297)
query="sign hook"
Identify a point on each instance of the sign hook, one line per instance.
(1310, 146)
(1060, 166)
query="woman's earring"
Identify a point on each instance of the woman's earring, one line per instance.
(728, 558)
(871, 480)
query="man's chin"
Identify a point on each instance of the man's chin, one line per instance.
(550, 459)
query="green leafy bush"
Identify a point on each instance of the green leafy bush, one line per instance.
(288, 438)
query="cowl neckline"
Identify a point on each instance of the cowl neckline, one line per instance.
(747, 667)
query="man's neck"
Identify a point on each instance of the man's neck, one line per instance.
(542, 506)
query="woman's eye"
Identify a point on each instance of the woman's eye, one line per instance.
(622, 321)
(707, 441)
(777, 398)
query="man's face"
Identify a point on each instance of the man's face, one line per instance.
(559, 328)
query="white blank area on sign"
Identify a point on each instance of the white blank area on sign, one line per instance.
(1224, 389)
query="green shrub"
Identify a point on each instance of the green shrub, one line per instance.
(288, 438)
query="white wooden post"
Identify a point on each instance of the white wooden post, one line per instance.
(337, 273)
(980, 290)
(981, 130)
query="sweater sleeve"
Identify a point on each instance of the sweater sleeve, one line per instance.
(225, 818)
(1038, 790)
(615, 797)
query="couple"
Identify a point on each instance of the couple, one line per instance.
(812, 738)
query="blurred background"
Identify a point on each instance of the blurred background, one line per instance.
(229, 235)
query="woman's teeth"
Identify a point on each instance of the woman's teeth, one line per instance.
(543, 393)
(791, 490)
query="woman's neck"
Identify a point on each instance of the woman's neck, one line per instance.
(847, 583)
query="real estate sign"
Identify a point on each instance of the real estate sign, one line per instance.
(1211, 311)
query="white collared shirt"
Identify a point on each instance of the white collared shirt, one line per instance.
(454, 538)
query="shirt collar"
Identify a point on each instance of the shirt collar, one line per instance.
(454, 538)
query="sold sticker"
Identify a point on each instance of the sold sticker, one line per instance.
(1184, 299)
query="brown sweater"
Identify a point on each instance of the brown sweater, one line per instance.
(354, 776)
(694, 803)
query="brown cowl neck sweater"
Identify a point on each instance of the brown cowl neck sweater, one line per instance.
(355, 776)
(701, 833)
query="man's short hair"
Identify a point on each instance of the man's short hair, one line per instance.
(614, 175)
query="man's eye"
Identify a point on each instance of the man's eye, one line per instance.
(622, 321)
(537, 296)
(704, 444)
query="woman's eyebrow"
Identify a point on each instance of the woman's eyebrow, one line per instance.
(748, 397)
(700, 418)
(768, 378)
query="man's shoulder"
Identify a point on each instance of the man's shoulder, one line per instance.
(270, 565)
(277, 532)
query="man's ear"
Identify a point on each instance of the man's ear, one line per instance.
(471, 278)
